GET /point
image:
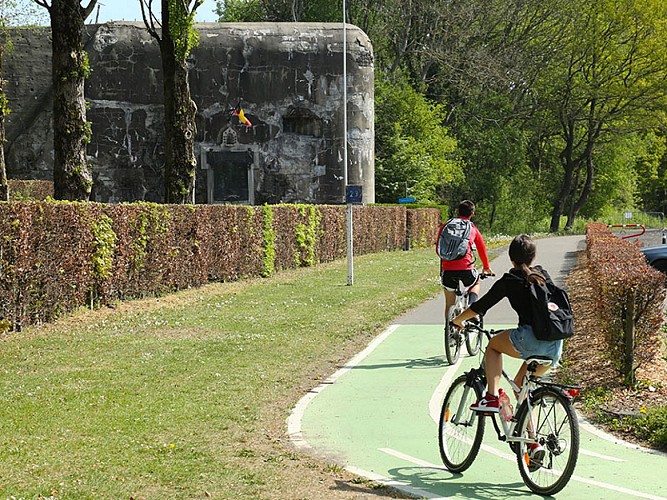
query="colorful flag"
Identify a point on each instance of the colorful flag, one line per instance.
(242, 118)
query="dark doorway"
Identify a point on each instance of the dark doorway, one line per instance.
(231, 176)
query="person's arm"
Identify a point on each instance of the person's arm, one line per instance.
(481, 250)
(464, 316)
(497, 293)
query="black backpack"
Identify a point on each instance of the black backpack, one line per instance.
(551, 310)
(454, 239)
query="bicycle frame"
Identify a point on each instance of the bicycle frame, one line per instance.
(529, 383)
(543, 433)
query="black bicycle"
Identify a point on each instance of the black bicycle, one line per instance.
(545, 417)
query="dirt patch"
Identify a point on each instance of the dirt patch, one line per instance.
(587, 362)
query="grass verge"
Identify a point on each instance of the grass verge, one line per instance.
(186, 396)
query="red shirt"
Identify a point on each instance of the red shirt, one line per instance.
(466, 262)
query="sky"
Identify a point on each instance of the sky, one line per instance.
(129, 10)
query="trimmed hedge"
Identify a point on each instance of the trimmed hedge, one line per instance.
(56, 256)
(630, 296)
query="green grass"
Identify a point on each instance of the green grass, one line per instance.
(186, 396)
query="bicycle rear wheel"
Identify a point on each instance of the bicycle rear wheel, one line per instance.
(460, 430)
(556, 429)
(453, 338)
(474, 339)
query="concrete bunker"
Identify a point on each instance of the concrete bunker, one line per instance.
(288, 78)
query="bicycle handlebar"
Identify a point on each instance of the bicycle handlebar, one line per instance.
(488, 333)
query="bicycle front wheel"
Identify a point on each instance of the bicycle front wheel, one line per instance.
(453, 337)
(460, 430)
(552, 424)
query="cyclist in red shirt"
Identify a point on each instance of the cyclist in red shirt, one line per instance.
(453, 271)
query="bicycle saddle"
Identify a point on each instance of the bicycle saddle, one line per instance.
(539, 359)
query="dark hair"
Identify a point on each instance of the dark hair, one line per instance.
(466, 208)
(522, 253)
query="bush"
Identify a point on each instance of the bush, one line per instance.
(630, 296)
(56, 256)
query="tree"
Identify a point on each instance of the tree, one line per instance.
(609, 79)
(577, 75)
(236, 11)
(414, 152)
(176, 37)
(4, 111)
(72, 178)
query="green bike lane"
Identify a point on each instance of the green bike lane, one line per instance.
(377, 417)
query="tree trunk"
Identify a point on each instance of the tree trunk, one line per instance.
(563, 194)
(4, 186)
(569, 167)
(72, 179)
(585, 192)
(628, 362)
(180, 127)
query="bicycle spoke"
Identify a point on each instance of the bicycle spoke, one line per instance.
(552, 424)
(460, 430)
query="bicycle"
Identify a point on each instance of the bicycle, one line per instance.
(453, 337)
(545, 416)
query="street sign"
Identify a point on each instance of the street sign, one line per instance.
(409, 199)
(353, 194)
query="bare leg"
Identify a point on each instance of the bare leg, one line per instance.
(476, 288)
(518, 379)
(498, 345)
(450, 298)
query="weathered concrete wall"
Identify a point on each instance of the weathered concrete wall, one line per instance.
(287, 76)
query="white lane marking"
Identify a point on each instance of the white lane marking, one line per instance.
(294, 430)
(396, 484)
(438, 396)
(590, 453)
(512, 457)
(411, 459)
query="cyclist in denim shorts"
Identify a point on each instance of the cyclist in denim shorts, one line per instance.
(453, 271)
(519, 342)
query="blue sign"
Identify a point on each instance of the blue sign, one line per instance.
(409, 199)
(353, 194)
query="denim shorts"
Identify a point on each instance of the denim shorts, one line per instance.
(524, 341)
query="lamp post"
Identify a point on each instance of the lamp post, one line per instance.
(350, 247)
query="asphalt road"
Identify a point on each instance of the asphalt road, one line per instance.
(377, 416)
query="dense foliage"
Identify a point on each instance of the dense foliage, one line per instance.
(539, 111)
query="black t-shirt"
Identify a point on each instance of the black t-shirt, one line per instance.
(513, 286)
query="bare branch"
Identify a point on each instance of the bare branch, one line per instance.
(43, 3)
(197, 5)
(150, 20)
(85, 11)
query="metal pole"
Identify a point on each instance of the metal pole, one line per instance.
(350, 247)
